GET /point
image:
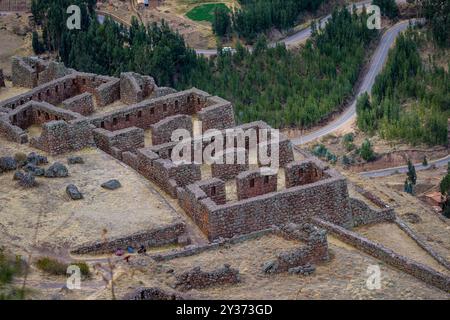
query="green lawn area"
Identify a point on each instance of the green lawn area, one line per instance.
(205, 12)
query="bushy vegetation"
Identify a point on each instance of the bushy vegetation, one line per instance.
(58, 268)
(436, 13)
(410, 100)
(388, 8)
(10, 267)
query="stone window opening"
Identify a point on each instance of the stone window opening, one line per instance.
(198, 101)
(102, 124)
(13, 106)
(266, 179)
(39, 96)
(176, 104)
(127, 117)
(252, 183)
(164, 107)
(56, 89)
(47, 116)
(39, 113)
(114, 121)
(170, 153)
(84, 81)
(65, 85)
(213, 191)
(21, 102)
(316, 173)
(152, 111)
(188, 99)
(15, 118)
(24, 113)
(48, 92)
(139, 114)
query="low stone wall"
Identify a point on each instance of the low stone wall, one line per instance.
(198, 279)
(117, 142)
(313, 248)
(363, 214)
(82, 104)
(10, 131)
(149, 238)
(378, 251)
(155, 293)
(163, 130)
(402, 225)
(15, 5)
(304, 172)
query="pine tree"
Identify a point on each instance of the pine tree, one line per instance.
(366, 152)
(412, 176)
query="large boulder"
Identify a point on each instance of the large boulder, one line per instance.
(36, 159)
(8, 164)
(73, 192)
(111, 184)
(33, 169)
(57, 170)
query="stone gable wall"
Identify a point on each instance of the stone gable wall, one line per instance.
(130, 139)
(134, 87)
(82, 104)
(253, 183)
(162, 131)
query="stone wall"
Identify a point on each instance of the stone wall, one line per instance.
(304, 172)
(164, 172)
(225, 171)
(390, 257)
(253, 183)
(219, 115)
(134, 87)
(10, 131)
(15, 5)
(30, 72)
(149, 238)
(198, 279)
(151, 111)
(162, 131)
(363, 214)
(82, 104)
(327, 199)
(313, 248)
(117, 142)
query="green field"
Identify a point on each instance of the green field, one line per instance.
(205, 12)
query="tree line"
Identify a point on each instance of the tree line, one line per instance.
(410, 99)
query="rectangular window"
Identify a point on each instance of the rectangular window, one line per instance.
(102, 124)
(127, 117)
(164, 107)
(213, 191)
(252, 183)
(266, 179)
(152, 111)
(139, 114)
(114, 121)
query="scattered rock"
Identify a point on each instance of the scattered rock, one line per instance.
(111, 185)
(270, 267)
(27, 180)
(36, 159)
(18, 175)
(303, 270)
(73, 192)
(57, 170)
(75, 160)
(35, 170)
(8, 164)
(412, 218)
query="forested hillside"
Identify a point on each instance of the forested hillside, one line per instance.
(281, 87)
(257, 16)
(410, 98)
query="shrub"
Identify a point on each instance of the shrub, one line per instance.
(52, 266)
(20, 157)
(366, 152)
(9, 267)
(57, 268)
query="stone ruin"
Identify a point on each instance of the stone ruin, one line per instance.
(198, 279)
(298, 202)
